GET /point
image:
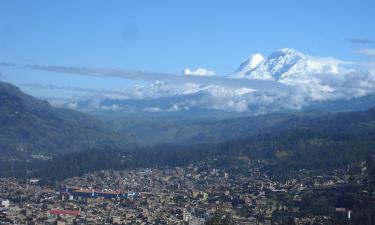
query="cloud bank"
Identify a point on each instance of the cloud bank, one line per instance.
(259, 85)
(285, 80)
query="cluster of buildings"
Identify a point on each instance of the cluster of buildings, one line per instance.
(181, 195)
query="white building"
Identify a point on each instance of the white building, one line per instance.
(5, 203)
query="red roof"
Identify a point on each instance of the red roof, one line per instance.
(64, 212)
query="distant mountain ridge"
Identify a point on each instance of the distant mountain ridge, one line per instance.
(324, 142)
(30, 127)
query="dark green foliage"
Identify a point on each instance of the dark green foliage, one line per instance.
(220, 217)
(335, 141)
(350, 197)
(289, 142)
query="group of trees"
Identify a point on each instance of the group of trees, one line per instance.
(324, 145)
(220, 217)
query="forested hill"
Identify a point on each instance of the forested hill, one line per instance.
(78, 143)
(32, 127)
(214, 130)
(324, 143)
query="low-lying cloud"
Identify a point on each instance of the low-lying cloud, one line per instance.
(166, 97)
(259, 85)
(172, 93)
(71, 88)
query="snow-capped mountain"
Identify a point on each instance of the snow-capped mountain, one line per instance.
(321, 78)
(249, 64)
(313, 79)
(285, 63)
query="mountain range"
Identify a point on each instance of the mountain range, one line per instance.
(35, 134)
(313, 81)
(284, 64)
(32, 128)
(318, 143)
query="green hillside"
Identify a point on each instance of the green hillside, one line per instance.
(31, 127)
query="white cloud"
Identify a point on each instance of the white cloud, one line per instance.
(174, 108)
(302, 80)
(199, 72)
(366, 51)
(72, 105)
(152, 109)
(163, 96)
(371, 68)
(260, 85)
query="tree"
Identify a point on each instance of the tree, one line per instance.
(220, 217)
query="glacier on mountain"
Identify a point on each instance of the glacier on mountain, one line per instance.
(284, 64)
(314, 79)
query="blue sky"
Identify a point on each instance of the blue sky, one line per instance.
(167, 36)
